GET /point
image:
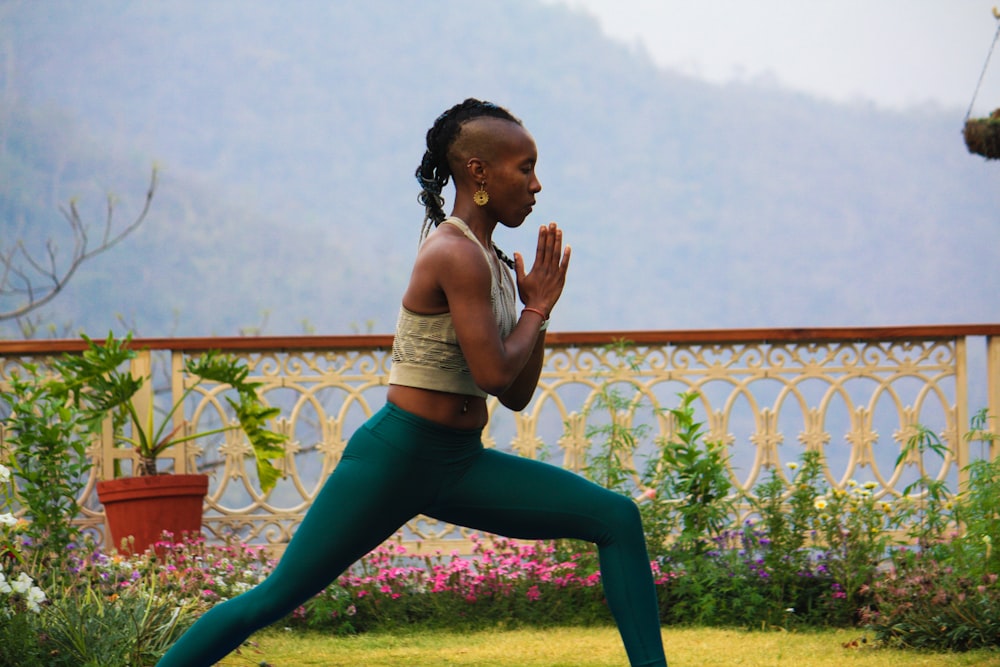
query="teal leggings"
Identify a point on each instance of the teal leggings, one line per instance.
(398, 465)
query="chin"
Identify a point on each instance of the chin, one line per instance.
(512, 223)
(516, 220)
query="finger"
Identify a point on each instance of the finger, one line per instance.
(542, 252)
(553, 243)
(518, 266)
(555, 251)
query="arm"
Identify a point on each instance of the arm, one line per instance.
(519, 393)
(513, 364)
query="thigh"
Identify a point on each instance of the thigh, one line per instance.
(369, 495)
(522, 498)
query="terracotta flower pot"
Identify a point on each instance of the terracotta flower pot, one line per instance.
(144, 507)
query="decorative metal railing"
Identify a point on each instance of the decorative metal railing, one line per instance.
(856, 395)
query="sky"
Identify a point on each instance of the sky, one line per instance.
(896, 54)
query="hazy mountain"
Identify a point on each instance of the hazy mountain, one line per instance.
(287, 136)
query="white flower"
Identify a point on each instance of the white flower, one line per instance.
(820, 503)
(8, 520)
(35, 597)
(792, 465)
(22, 584)
(4, 474)
(4, 585)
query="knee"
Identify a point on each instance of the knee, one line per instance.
(622, 516)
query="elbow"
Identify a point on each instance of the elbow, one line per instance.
(495, 384)
(518, 395)
(515, 403)
(494, 388)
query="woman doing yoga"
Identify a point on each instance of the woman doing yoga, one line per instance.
(459, 338)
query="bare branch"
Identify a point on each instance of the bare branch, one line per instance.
(20, 271)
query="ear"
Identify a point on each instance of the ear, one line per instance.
(475, 169)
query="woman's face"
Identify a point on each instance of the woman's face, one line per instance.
(511, 181)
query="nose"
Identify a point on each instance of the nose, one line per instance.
(536, 185)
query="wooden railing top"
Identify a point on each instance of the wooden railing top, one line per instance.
(374, 341)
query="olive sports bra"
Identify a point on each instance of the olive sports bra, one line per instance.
(425, 350)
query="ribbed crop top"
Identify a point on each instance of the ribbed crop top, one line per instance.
(425, 350)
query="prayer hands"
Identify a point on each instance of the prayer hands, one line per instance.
(542, 287)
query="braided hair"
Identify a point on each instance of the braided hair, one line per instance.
(434, 171)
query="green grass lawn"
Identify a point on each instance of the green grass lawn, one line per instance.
(590, 647)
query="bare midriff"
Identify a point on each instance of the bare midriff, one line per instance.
(458, 411)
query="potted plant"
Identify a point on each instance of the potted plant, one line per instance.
(148, 503)
(982, 136)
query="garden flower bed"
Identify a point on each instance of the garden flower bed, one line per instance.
(917, 571)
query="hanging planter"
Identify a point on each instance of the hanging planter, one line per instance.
(982, 136)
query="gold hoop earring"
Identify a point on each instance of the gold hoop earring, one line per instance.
(482, 197)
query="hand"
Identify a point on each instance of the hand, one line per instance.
(542, 287)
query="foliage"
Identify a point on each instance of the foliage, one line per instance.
(20, 597)
(946, 595)
(20, 644)
(96, 381)
(112, 610)
(854, 529)
(196, 571)
(982, 136)
(809, 555)
(610, 465)
(504, 584)
(48, 439)
(139, 603)
(692, 480)
(774, 570)
(8, 522)
(685, 487)
(132, 627)
(926, 513)
(977, 507)
(926, 603)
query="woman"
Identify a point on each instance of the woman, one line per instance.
(459, 338)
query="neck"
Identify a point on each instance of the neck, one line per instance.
(478, 221)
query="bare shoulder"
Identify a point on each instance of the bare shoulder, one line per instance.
(448, 251)
(447, 263)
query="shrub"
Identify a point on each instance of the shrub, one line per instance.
(136, 626)
(923, 603)
(947, 596)
(504, 583)
(21, 643)
(48, 439)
